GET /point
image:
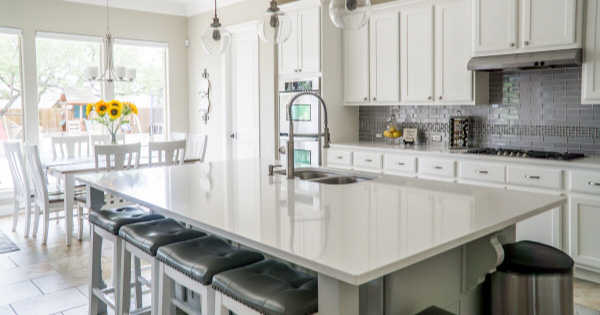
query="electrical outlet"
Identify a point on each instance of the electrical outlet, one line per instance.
(378, 135)
(436, 138)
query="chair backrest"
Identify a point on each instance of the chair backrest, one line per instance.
(36, 172)
(99, 140)
(178, 136)
(18, 170)
(67, 145)
(167, 152)
(73, 126)
(117, 157)
(197, 146)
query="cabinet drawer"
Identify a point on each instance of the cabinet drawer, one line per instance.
(398, 163)
(484, 172)
(586, 182)
(437, 167)
(535, 177)
(367, 160)
(338, 157)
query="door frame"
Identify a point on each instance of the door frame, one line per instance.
(227, 84)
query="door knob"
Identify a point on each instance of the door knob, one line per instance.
(233, 135)
(282, 149)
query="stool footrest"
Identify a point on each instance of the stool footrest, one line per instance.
(184, 307)
(102, 296)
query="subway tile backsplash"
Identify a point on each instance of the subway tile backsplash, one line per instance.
(529, 110)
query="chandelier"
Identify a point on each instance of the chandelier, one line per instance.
(110, 73)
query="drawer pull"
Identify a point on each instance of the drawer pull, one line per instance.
(481, 172)
(339, 157)
(368, 160)
(400, 163)
(437, 167)
(593, 184)
(532, 176)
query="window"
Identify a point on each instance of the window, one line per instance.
(149, 90)
(63, 91)
(11, 104)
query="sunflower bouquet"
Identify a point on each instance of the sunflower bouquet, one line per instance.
(112, 114)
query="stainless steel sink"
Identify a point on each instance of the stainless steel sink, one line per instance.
(327, 176)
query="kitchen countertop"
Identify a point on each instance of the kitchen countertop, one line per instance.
(354, 233)
(586, 162)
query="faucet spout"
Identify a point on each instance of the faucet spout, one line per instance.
(290, 143)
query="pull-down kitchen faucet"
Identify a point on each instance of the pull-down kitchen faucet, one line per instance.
(290, 142)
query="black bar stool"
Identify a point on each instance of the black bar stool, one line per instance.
(267, 287)
(105, 225)
(193, 264)
(142, 240)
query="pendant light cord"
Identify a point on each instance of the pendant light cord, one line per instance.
(215, 8)
(107, 19)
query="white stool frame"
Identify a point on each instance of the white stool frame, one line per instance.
(127, 250)
(167, 302)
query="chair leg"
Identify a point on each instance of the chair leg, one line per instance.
(165, 293)
(155, 285)
(80, 221)
(116, 272)
(36, 221)
(15, 216)
(125, 291)
(208, 301)
(46, 225)
(137, 273)
(220, 309)
(27, 217)
(96, 306)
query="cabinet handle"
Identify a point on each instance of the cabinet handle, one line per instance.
(532, 176)
(437, 167)
(400, 163)
(481, 172)
(429, 97)
(299, 70)
(374, 98)
(368, 160)
(525, 43)
(440, 97)
(366, 98)
(339, 157)
(512, 44)
(593, 184)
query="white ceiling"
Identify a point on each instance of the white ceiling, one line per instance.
(171, 7)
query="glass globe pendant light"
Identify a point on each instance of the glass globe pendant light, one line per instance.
(274, 26)
(350, 14)
(216, 39)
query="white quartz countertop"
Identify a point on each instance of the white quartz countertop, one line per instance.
(354, 233)
(590, 162)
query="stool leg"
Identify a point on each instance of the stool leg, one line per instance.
(116, 272)
(96, 305)
(220, 309)
(125, 290)
(165, 292)
(155, 286)
(137, 272)
(208, 301)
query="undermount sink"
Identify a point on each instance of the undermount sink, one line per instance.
(331, 177)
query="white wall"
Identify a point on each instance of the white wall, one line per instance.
(73, 18)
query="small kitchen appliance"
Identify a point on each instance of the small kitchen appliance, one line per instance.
(459, 133)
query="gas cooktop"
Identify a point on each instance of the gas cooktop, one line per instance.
(527, 154)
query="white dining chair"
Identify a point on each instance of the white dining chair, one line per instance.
(22, 192)
(44, 203)
(167, 152)
(68, 146)
(99, 140)
(197, 146)
(178, 136)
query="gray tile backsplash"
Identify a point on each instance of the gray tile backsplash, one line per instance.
(529, 110)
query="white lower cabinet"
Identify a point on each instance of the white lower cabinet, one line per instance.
(585, 231)
(437, 167)
(339, 158)
(545, 228)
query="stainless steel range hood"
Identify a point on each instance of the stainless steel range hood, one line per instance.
(534, 60)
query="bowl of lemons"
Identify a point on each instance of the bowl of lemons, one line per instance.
(392, 134)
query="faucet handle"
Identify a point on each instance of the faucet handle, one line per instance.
(272, 168)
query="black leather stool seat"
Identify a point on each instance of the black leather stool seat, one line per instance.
(202, 258)
(270, 287)
(434, 310)
(534, 258)
(149, 236)
(113, 219)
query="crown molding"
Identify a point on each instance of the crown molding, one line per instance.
(175, 7)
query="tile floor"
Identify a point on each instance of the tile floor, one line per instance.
(53, 279)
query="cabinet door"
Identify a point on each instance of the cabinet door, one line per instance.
(416, 55)
(585, 215)
(590, 83)
(309, 28)
(548, 23)
(385, 57)
(356, 65)
(544, 228)
(288, 51)
(495, 26)
(454, 83)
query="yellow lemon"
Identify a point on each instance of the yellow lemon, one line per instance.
(392, 129)
(387, 134)
(396, 134)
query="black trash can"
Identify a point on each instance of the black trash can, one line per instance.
(533, 279)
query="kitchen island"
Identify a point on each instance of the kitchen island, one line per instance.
(390, 245)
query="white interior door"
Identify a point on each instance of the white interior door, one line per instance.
(244, 95)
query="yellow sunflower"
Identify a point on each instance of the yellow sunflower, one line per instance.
(101, 107)
(88, 109)
(133, 107)
(115, 111)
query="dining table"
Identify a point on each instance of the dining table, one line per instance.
(65, 168)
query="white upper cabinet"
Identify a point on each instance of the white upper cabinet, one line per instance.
(356, 65)
(454, 83)
(590, 82)
(384, 37)
(495, 26)
(515, 26)
(301, 53)
(416, 55)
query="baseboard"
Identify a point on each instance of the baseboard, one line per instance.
(586, 274)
